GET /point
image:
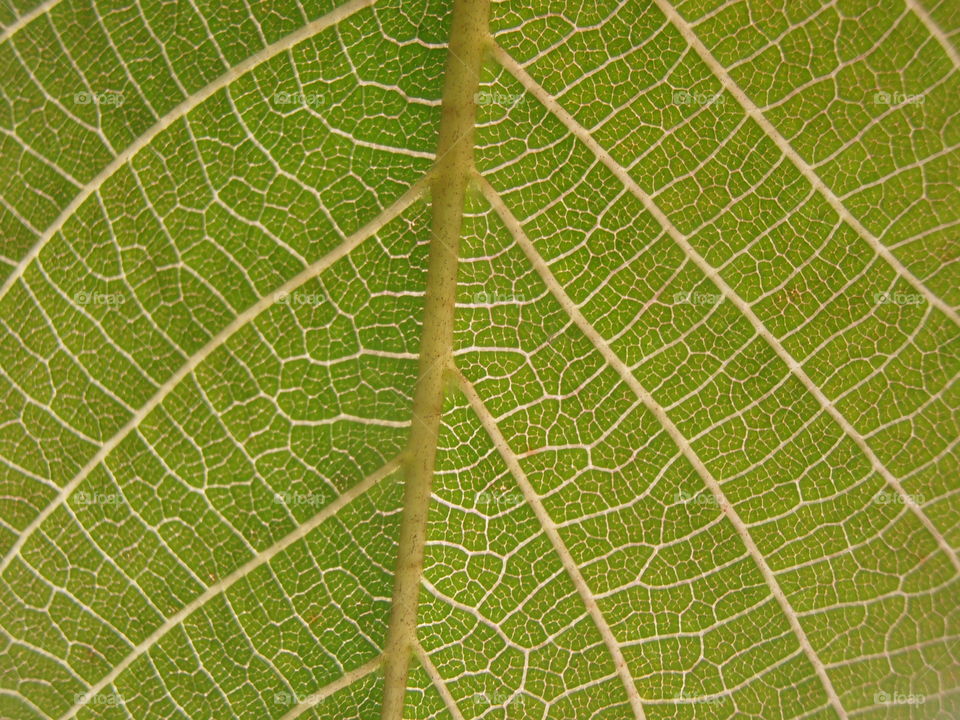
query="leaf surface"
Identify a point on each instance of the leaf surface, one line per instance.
(413, 359)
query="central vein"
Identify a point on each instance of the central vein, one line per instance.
(468, 39)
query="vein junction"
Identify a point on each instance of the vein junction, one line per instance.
(469, 33)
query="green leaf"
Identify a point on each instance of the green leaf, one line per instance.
(395, 359)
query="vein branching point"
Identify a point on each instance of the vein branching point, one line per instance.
(454, 166)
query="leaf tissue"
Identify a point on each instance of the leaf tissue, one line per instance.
(462, 359)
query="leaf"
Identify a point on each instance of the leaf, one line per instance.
(456, 360)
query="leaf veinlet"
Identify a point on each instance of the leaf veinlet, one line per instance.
(454, 166)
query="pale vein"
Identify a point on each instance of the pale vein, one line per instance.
(543, 270)
(180, 111)
(710, 272)
(238, 574)
(489, 423)
(216, 342)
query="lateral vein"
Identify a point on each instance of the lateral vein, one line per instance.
(730, 294)
(178, 112)
(621, 368)
(438, 682)
(807, 170)
(339, 684)
(203, 353)
(220, 587)
(489, 423)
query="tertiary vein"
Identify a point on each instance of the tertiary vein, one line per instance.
(175, 114)
(225, 583)
(240, 321)
(828, 405)
(682, 443)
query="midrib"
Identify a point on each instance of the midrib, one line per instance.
(454, 166)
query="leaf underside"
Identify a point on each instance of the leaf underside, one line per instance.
(696, 451)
